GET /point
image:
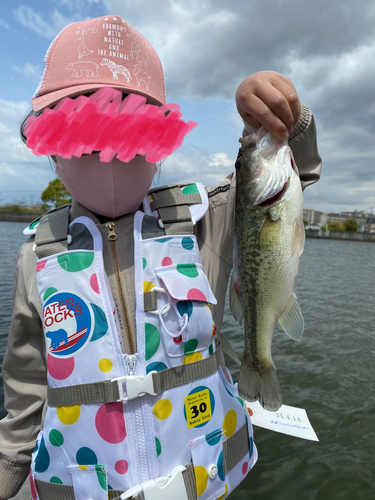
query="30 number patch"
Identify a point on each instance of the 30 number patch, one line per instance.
(198, 408)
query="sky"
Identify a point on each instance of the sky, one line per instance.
(207, 47)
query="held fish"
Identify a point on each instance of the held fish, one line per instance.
(269, 238)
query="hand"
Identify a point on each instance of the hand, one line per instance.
(270, 99)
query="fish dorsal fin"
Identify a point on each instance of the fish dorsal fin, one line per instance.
(234, 299)
(298, 241)
(291, 321)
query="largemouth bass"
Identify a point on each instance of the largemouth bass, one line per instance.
(269, 238)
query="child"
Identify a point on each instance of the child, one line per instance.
(114, 371)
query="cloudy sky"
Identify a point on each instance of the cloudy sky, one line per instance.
(207, 47)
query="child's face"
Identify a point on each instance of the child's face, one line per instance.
(111, 189)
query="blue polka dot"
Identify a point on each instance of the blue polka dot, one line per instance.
(85, 456)
(101, 325)
(185, 307)
(157, 366)
(163, 240)
(188, 243)
(251, 447)
(213, 437)
(220, 466)
(42, 460)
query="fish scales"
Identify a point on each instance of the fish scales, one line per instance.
(268, 241)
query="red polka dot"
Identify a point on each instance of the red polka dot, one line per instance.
(60, 369)
(250, 412)
(195, 294)
(94, 283)
(110, 424)
(34, 492)
(121, 467)
(167, 261)
(40, 265)
(245, 466)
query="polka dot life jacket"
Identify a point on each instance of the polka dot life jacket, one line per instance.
(165, 422)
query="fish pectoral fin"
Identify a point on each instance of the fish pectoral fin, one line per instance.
(291, 321)
(298, 241)
(234, 299)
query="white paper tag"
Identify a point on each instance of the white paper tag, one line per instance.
(287, 420)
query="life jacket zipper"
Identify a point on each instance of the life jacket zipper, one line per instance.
(112, 236)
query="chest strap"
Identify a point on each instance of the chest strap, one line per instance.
(131, 387)
(235, 448)
(173, 208)
(51, 236)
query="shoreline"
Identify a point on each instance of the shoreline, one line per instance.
(19, 216)
(339, 235)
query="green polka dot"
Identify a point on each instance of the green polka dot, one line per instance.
(240, 400)
(76, 261)
(55, 480)
(144, 263)
(189, 270)
(152, 340)
(49, 292)
(211, 349)
(190, 346)
(191, 189)
(188, 243)
(34, 224)
(56, 438)
(158, 447)
(102, 476)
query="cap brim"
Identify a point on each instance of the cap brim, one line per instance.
(47, 100)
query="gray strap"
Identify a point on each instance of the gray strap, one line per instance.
(49, 491)
(107, 391)
(189, 480)
(171, 199)
(228, 349)
(179, 228)
(235, 448)
(150, 301)
(52, 232)
(179, 213)
(184, 374)
(97, 392)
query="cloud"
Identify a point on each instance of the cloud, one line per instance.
(36, 22)
(4, 24)
(29, 71)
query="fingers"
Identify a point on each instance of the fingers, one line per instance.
(269, 99)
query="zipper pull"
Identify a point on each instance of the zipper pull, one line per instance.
(131, 361)
(112, 236)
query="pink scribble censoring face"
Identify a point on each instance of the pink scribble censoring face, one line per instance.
(106, 123)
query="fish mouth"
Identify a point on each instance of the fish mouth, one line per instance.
(274, 199)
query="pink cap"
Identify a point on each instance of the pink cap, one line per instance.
(100, 52)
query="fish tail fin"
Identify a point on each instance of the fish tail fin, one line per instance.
(263, 387)
(234, 298)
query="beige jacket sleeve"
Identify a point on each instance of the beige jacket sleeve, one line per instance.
(215, 231)
(24, 377)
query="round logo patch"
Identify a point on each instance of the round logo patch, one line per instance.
(68, 322)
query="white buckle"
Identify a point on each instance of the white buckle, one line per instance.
(135, 386)
(171, 487)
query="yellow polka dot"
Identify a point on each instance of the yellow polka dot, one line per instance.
(105, 365)
(230, 423)
(225, 494)
(162, 409)
(68, 414)
(83, 467)
(148, 286)
(150, 197)
(201, 478)
(194, 356)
